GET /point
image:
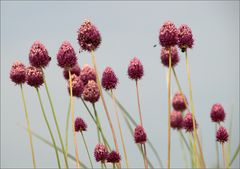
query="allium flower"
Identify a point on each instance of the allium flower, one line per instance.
(80, 125)
(188, 122)
(217, 113)
(77, 86)
(34, 76)
(74, 70)
(38, 55)
(176, 120)
(185, 37)
(100, 153)
(168, 35)
(66, 56)
(165, 56)
(87, 73)
(91, 92)
(89, 37)
(178, 102)
(135, 69)
(139, 135)
(109, 79)
(222, 135)
(113, 157)
(18, 73)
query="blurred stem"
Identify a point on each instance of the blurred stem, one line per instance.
(144, 157)
(98, 122)
(217, 151)
(67, 126)
(48, 126)
(223, 156)
(139, 107)
(184, 140)
(85, 144)
(183, 149)
(235, 155)
(28, 127)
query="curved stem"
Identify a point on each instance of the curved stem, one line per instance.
(66, 130)
(28, 127)
(89, 157)
(98, 122)
(49, 128)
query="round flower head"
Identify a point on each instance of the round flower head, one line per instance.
(113, 157)
(135, 69)
(18, 73)
(176, 120)
(66, 56)
(91, 92)
(165, 56)
(87, 73)
(75, 70)
(109, 79)
(34, 76)
(222, 135)
(185, 37)
(38, 55)
(139, 135)
(100, 153)
(188, 122)
(217, 113)
(77, 86)
(89, 37)
(80, 125)
(168, 34)
(178, 102)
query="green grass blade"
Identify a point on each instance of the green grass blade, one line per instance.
(235, 155)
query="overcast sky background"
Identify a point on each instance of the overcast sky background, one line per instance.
(128, 29)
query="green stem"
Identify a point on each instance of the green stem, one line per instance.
(67, 126)
(28, 127)
(235, 155)
(89, 157)
(184, 140)
(98, 123)
(48, 126)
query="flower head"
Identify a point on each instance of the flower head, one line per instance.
(222, 135)
(18, 72)
(185, 37)
(113, 157)
(135, 69)
(139, 135)
(77, 86)
(91, 92)
(217, 113)
(89, 37)
(168, 34)
(109, 79)
(178, 102)
(87, 73)
(176, 120)
(34, 76)
(74, 70)
(165, 56)
(80, 125)
(100, 153)
(38, 55)
(66, 56)
(188, 122)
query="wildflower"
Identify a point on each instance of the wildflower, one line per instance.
(87, 73)
(74, 70)
(34, 76)
(185, 37)
(176, 120)
(80, 125)
(178, 102)
(100, 153)
(77, 86)
(168, 34)
(222, 135)
(135, 69)
(18, 73)
(109, 79)
(91, 92)
(139, 135)
(113, 157)
(217, 113)
(165, 56)
(188, 122)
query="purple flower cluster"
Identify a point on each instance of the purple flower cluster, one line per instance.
(188, 122)
(139, 135)
(77, 86)
(135, 69)
(176, 120)
(91, 92)
(217, 113)
(87, 73)
(18, 72)
(222, 135)
(34, 76)
(75, 70)
(109, 79)
(185, 37)
(80, 125)
(100, 153)
(178, 102)
(113, 157)
(165, 56)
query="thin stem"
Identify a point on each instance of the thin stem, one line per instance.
(55, 121)
(67, 126)
(89, 157)
(120, 129)
(98, 123)
(184, 140)
(49, 128)
(217, 151)
(234, 156)
(223, 156)
(73, 128)
(114, 166)
(28, 127)
(145, 154)
(105, 165)
(201, 153)
(138, 100)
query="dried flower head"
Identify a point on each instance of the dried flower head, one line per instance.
(168, 35)
(77, 86)
(139, 135)
(109, 79)
(75, 70)
(185, 37)
(113, 157)
(188, 122)
(89, 37)
(222, 135)
(38, 55)
(18, 73)
(176, 120)
(80, 125)
(217, 113)
(87, 73)
(100, 153)
(178, 102)
(91, 92)
(165, 56)
(135, 69)
(34, 76)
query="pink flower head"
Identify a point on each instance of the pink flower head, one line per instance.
(91, 92)
(185, 37)
(18, 72)
(165, 56)
(89, 37)
(222, 135)
(80, 125)
(34, 76)
(109, 79)
(135, 69)
(188, 122)
(178, 102)
(168, 34)
(38, 55)
(113, 157)
(100, 153)
(139, 135)
(77, 86)
(74, 70)
(217, 113)
(87, 73)
(66, 56)
(176, 120)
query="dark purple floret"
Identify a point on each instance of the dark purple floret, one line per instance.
(185, 37)
(222, 135)
(18, 73)
(176, 120)
(113, 157)
(178, 102)
(135, 69)
(165, 56)
(77, 86)
(139, 135)
(100, 153)
(168, 35)
(34, 76)
(75, 70)
(188, 122)
(217, 113)
(109, 79)
(80, 125)
(91, 92)
(87, 73)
